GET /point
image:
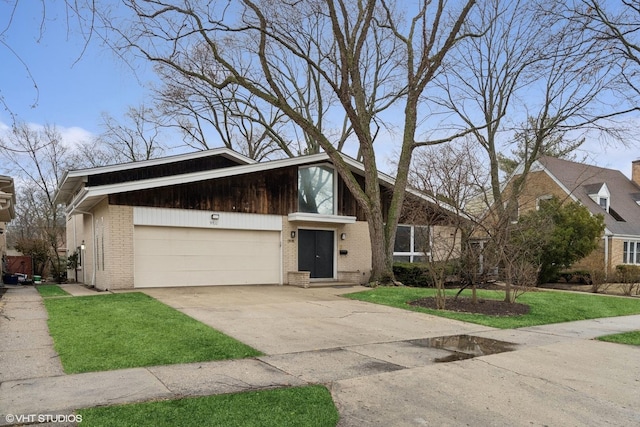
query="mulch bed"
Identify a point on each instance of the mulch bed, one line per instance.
(483, 306)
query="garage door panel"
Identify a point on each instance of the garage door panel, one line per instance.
(166, 256)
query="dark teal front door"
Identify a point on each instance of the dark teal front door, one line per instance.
(315, 253)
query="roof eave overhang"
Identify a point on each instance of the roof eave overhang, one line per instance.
(329, 219)
(73, 179)
(90, 196)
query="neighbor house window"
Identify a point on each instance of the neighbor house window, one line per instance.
(316, 190)
(631, 252)
(603, 202)
(411, 244)
(540, 201)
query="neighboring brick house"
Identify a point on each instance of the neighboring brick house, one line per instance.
(603, 191)
(219, 218)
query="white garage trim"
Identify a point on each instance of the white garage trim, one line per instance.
(205, 219)
(179, 256)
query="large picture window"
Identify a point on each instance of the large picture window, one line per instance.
(412, 244)
(316, 190)
(631, 252)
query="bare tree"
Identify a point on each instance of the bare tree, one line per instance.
(559, 145)
(38, 158)
(138, 138)
(240, 120)
(365, 55)
(534, 74)
(455, 176)
(617, 23)
(92, 154)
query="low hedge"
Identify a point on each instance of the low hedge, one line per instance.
(628, 273)
(419, 274)
(412, 274)
(581, 276)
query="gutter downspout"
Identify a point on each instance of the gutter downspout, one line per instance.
(606, 257)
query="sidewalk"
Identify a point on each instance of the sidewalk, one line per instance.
(26, 349)
(555, 376)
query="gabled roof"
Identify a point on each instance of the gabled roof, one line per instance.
(580, 180)
(594, 188)
(82, 199)
(72, 180)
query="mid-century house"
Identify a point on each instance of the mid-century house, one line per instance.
(603, 191)
(217, 217)
(7, 212)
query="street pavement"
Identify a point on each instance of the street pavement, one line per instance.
(380, 363)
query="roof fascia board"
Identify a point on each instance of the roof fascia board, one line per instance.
(84, 173)
(159, 161)
(625, 236)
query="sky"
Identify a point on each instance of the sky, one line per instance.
(76, 86)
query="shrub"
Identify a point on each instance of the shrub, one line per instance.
(413, 274)
(581, 276)
(629, 276)
(421, 275)
(628, 273)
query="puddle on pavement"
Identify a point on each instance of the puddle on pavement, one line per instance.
(464, 347)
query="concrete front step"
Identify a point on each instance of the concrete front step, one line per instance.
(331, 284)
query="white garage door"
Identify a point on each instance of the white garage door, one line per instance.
(174, 256)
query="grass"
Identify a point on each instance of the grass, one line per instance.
(545, 307)
(630, 338)
(48, 291)
(296, 406)
(116, 331)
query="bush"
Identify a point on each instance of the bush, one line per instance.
(413, 274)
(580, 276)
(420, 275)
(628, 273)
(629, 276)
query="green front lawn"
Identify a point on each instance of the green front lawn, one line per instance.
(115, 331)
(48, 291)
(630, 338)
(546, 307)
(297, 406)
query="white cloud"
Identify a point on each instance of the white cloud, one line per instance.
(72, 136)
(75, 135)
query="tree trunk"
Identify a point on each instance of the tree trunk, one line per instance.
(381, 263)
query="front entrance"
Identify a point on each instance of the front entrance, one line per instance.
(315, 253)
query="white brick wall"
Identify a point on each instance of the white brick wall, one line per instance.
(119, 262)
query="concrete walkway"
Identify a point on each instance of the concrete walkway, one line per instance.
(371, 357)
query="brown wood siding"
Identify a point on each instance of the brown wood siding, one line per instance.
(158, 171)
(271, 192)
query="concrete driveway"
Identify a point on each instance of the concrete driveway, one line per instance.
(283, 319)
(381, 364)
(379, 376)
